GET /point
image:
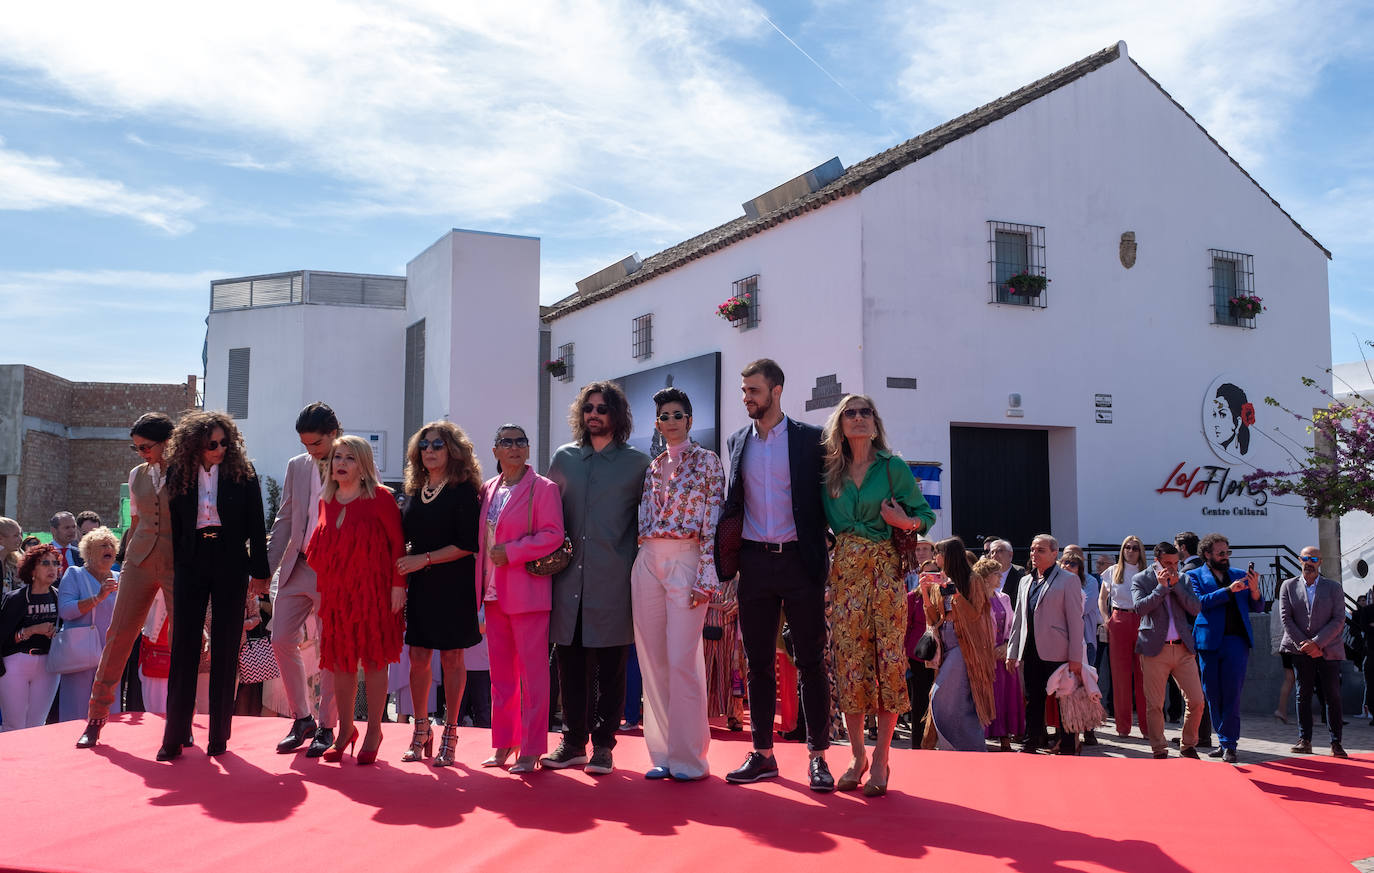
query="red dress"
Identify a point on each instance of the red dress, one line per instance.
(354, 559)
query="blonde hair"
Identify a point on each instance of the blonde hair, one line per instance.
(93, 538)
(837, 453)
(986, 567)
(363, 453)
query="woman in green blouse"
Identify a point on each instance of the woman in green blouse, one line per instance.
(868, 492)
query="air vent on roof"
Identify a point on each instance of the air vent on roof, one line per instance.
(807, 183)
(609, 276)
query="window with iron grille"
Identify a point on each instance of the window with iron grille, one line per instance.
(1016, 261)
(413, 403)
(565, 354)
(236, 397)
(1233, 276)
(642, 336)
(749, 285)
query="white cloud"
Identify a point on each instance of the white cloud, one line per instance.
(29, 182)
(491, 112)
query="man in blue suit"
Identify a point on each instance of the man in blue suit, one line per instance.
(1223, 636)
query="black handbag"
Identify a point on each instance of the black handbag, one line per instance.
(926, 647)
(712, 632)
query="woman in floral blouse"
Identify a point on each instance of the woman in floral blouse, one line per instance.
(673, 579)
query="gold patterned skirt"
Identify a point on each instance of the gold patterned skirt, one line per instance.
(866, 609)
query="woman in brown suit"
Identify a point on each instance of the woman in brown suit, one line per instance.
(147, 566)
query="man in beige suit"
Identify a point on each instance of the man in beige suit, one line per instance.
(295, 596)
(1046, 633)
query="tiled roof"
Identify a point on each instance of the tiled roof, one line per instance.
(865, 173)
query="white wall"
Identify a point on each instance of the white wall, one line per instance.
(1106, 154)
(809, 317)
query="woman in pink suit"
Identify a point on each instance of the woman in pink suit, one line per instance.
(522, 520)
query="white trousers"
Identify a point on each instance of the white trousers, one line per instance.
(154, 693)
(26, 691)
(671, 655)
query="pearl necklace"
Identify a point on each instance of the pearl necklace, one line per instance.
(429, 492)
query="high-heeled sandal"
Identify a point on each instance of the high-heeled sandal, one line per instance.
(850, 779)
(336, 752)
(499, 757)
(874, 788)
(421, 743)
(447, 745)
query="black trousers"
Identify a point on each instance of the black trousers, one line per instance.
(918, 685)
(204, 580)
(1036, 673)
(771, 584)
(476, 703)
(1323, 677)
(592, 682)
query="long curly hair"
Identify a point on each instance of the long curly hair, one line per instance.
(463, 465)
(189, 440)
(838, 456)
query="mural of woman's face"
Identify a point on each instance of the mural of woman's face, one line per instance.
(1224, 424)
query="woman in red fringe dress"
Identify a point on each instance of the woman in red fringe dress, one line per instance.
(353, 552)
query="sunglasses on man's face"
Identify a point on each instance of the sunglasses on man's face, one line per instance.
(858, 412)
(513, 443)
(213, 445)
(672, 416)
(435, 444)
(1309, 559)
(598, 408)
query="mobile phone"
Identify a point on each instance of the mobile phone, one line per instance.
(1252, 567)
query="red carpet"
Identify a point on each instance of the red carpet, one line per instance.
(115, 809)
(1333, 799)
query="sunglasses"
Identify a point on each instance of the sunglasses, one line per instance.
(1072, 562)
(672, 416)
(145, 447)
(212, 445)
(435, 444)
(50, 563)
(1309, 559)
(513, 443)
(858, 412)
(598, 408)
(1132, 548)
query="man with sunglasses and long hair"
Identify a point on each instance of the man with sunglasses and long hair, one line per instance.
(295, 597)
(601, 477)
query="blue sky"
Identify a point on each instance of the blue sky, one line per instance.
(146, 149)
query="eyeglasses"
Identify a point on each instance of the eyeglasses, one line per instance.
(1309, 559)
(858, 412)
(142, 448)
(513, 443)
(212, 445)
(672, 416)
(1221, 553)
(598, 408)
(50, 563)
(435, 444)
(1071, 562)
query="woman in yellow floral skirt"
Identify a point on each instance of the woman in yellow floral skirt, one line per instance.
(868, 492)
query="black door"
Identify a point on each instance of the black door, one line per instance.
(999, 483)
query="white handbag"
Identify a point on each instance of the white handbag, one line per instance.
(75, 649)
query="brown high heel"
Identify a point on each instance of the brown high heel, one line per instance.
(336, 752)
(874, 788)
(850, 779)
(421, 743)
(447, 745)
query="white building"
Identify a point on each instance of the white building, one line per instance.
(456, 337)
(1096, 409)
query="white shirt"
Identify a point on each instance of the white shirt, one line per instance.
(767, 479)
(1120, 593)
(207, 495)
(155, 472)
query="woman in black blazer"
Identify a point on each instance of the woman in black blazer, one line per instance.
(219, 540)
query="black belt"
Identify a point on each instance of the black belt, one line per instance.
(1119, 609)
(1173, 642)
(772, 548)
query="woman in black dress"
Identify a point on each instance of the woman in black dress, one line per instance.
(442, 479)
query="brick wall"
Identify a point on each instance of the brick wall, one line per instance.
(46, 396)
(43, 480)
(95, 470)
(115, 404)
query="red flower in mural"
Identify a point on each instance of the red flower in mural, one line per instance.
(1247, 414)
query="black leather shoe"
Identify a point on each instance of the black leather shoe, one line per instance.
(1189, 752)
(1216, 753)
(821, 780)
(1030, 748)
(1229, 756)
(169, 753)
(754, 768)
(215, 748)
(1089, 738)
(189, 742)
(1338, 751)
(91, 736)
(324, 738)
(302, 729)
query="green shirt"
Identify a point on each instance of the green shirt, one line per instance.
(859, 510)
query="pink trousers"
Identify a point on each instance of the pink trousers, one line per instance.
(518, 646)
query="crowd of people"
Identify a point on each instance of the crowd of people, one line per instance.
(795, 569)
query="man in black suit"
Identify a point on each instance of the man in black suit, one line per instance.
(219, 540)
(1000, 551)
(775, 485)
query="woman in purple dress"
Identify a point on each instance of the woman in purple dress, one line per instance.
(1010, 719)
